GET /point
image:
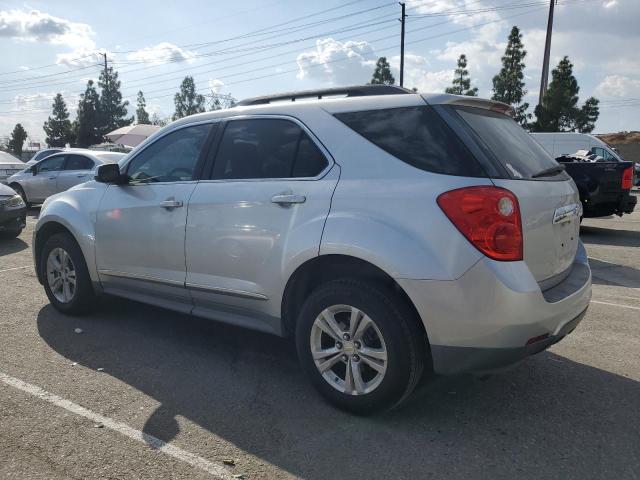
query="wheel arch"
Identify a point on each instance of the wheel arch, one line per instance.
(328, 267)
(46, 231)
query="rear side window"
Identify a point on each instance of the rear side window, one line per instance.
(508, 143)
(266, 148)
(78, 162)
(417, 136)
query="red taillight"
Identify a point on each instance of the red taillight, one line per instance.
(489, 217)
(627, 179)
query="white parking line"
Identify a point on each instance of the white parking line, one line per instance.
(214, 469)
(615, 305)
(14, 268)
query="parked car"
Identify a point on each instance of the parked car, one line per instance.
(568, 143)
(41, 154)
(59, 172)
(9, 165)
(604, 185)
(13, 212)
(389, 232)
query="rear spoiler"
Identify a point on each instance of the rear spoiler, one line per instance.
(475, 102)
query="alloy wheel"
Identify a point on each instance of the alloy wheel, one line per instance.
(61, 275)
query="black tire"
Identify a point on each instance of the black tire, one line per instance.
(404, 339)
(20, 191)
(83, 296)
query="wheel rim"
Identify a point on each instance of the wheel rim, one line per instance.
(61, 275)
(348, 350)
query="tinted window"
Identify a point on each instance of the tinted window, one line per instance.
(171, 158)
(78, 162)
(417, 136)
(51, 164)
(603, 153)
(44, 153)
(266, 148)
(508, 143)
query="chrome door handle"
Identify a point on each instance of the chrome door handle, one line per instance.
(52, 178)
(80, 175)
(171, 203)
(288, 199)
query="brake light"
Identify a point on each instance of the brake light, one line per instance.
(489, 217)
(627, 178)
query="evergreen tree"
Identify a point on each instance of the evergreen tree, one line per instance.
(461, 81)
(508, 85)
(141, 113)
(88, 127)
(113, 109)
(18, 136)
(559, 111)
(215, 103)
(58, 127)
(187, 100)
(159, 121)
(382, 74)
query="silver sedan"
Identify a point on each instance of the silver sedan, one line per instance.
(59, 172)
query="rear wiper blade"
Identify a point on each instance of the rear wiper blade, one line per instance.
(549, 171)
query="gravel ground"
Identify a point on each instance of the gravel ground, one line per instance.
(235, 396)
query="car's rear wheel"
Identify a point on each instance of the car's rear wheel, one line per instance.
(66, 278)
(360, 345)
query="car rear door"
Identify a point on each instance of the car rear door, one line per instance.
(261, 210)
(140, 226)
(77, 169)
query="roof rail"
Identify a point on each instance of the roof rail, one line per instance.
(355, 91)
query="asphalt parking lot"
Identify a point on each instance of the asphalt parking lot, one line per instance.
(145, 393)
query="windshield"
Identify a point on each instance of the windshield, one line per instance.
(508, 143)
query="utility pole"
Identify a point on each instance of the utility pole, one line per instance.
(106, 83)
(402, 45)
(544, 81)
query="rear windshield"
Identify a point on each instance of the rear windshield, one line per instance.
(417, 136)
(508, 143)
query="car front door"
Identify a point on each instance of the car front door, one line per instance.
(140, 226)
(77, 169)
(43, 184)
(261, 207)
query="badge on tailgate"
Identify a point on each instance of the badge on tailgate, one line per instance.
(564, 214)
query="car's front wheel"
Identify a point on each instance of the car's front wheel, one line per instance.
(66, 278)
(360, 345)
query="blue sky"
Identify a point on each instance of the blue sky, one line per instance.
(250, 48)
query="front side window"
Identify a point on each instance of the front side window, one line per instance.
(51, 164)
(266, 148)
(171, 158)
(417, 136)
(78, 162)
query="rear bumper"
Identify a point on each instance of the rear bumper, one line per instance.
(496, 314)
(629, 203)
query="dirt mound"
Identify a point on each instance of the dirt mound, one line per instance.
(620, 138)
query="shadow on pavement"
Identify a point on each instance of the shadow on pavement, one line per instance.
(547, 418)
(607, 273)
(11, 245)
(609, 236)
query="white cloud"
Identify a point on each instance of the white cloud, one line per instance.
(163, 52)
(215, 85)
(419, 74)
(618, 86)
(337, 62)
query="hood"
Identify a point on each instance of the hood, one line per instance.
(5, 190)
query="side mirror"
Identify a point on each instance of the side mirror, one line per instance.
(33, 169)
(110, 173)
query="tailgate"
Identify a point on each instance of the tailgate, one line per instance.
(606, 177)
(550, 224)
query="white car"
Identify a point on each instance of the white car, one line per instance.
(568, 143)
(59, 172)
(389, 232)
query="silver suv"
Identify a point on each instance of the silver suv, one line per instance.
(392, 234)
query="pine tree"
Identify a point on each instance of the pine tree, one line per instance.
(382, 74)
(113, 109)
(508, 85)
(559, 111)
(159, 121)
(18, 136)
(187, 100)
(141, 113)
(58, 127)
(87, 126)
(461, 81)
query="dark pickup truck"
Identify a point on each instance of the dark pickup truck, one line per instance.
(605, 187)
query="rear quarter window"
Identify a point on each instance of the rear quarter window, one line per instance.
(417, 136)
